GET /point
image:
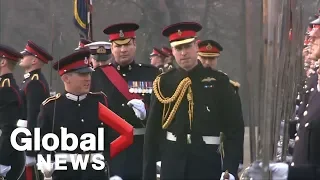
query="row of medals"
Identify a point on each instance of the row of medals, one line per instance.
(141, 87)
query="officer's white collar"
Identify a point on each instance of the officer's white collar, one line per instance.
(27, 75)
(75, 97)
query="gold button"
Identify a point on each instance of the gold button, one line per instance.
(305, 113)
(122, 104)
(306, 125)
(79, 105)
(307, 105)
(123, 74)
(82, 120)
(297, 138)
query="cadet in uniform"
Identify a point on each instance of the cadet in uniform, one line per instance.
(157, 58)
(190, 106)
(208, 54)
(306, 150)
(168, 63)
(11, 161)
(34, 90)
(100, 53)
(128, 86)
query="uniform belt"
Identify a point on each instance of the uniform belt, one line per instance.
(206, 139)
(75, 156)
(22, 123)
(139, 131)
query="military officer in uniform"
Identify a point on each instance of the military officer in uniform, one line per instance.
(34, 90)
(11, 161)
(157, 58)
(77, 110)
(168, 63)
(208, 54)
(100, 53)
(190, 106)
(128, 86)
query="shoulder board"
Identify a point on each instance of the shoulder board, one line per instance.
(35, 77)
(51, 99)
(6, 82)
(99, 93)
(234, 83)
(223, 72)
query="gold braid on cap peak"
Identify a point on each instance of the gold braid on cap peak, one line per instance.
(167, 115)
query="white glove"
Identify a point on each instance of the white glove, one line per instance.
(46, 169)
(279, 170)
(138, 108)
(4, 170)
(231, 177)
(30, 161)
(115, 178)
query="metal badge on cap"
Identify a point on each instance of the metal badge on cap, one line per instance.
(209, 46)
(86, 61)
(101, 50)
(121, 34)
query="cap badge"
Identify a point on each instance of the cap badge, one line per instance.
(86, 60)
(101, 50)
(209, 47)
(179, 32)
(121, 34)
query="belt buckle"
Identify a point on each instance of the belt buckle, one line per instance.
(189, 138)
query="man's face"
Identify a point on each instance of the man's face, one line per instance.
(315, 48)
(186, 55)
(124, 54)
(78, 82)
(208, 61)
(156, 61)
(27, 61)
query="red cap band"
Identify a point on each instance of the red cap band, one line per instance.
(122, 35)
(75, 65)
(182, 35)
(32, 51)
(209, 49)
(4, 54)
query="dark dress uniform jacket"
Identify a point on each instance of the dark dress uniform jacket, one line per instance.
(34, 90)
(79, 114)
(127, 164)
(214, 112)
(10, 111)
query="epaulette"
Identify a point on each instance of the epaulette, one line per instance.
(51, 99)
(35, 77)
(99, 93)
(223, 72)
(234, 83)
(6, 81)
(166, 72)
